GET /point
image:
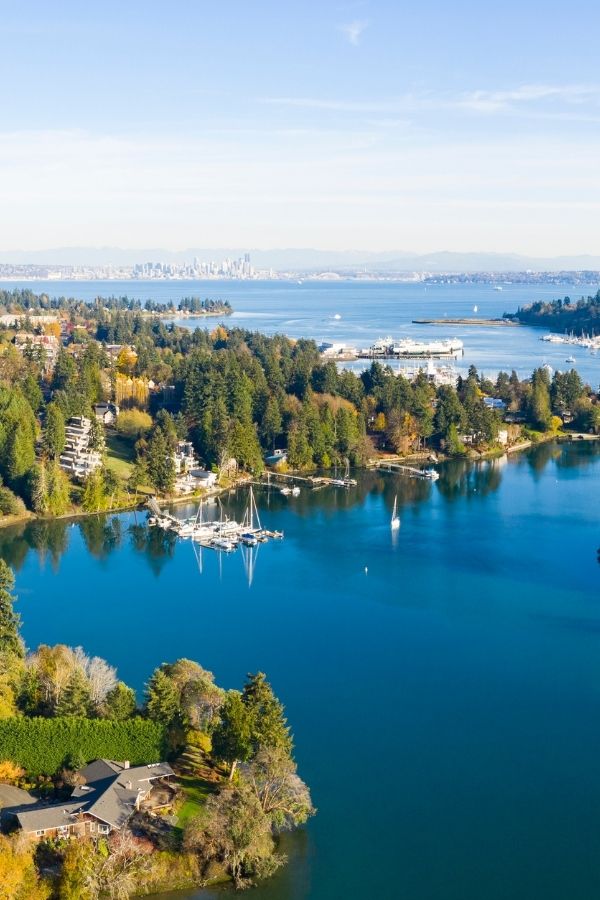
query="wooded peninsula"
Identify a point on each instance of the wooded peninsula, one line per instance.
(88, 809)
(577, 317)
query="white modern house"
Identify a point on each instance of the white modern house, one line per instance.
(78, 458)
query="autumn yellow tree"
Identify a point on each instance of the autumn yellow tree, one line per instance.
(19, 879)
(126, 360)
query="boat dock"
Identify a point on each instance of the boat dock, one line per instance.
(312, 481)
(222, 534)
(411, 471)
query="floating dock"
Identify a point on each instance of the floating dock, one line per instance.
(428, 474)
(223, 534)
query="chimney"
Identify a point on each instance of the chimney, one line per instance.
(126, 764)
(128, 785)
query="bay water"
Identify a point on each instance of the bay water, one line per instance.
(442, 682)
(367, 311)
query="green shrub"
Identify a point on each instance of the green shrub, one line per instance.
(42, 746)
(10, 504)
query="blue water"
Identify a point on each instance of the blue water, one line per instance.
(443, 684)
(369, 311)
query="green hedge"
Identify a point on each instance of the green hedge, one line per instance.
(41, 745)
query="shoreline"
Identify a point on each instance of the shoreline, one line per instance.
(422, 456)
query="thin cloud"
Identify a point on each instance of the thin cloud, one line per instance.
(353, 31)
(493, 101)
(533, 97)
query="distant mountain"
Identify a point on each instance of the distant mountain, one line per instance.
(307, 259)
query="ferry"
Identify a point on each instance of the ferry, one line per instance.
(386, 347)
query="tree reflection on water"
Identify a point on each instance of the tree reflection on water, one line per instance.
(103, 534)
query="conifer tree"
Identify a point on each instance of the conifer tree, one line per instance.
(11, 641)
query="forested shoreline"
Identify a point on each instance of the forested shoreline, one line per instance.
(236, 396)
(578, 317)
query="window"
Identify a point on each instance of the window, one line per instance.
(40, 832)
(103, 829)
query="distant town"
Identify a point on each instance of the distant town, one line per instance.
(242, 269)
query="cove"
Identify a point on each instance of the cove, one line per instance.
(445, 702)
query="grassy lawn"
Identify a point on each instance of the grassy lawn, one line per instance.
(119, 455)
(196, 790)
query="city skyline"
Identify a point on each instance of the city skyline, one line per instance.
(332, 126)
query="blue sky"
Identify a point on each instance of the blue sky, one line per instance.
(372, 125)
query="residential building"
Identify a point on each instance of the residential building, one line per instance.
(184, 457)
(78, 458)
(108, 794)
(47, 345)
(106, 412)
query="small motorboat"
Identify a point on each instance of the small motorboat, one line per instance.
(223, 544)
(285, 491)
(570, 359)
(295, 491)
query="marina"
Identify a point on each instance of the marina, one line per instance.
(586, 341)
(223, 534)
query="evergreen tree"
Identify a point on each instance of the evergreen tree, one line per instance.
(93, 498)
(232, 737)
(162, 698)
(38, 489)
(75, 700)
(54, 431)
(269, 725)
(539, 401)
(10, 638)
(120, 703)
(59, 498)
(32, 392)
(20, 452)
(160, 463)
(271, 424)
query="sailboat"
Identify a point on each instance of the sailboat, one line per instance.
(395, 523)
(249, 535)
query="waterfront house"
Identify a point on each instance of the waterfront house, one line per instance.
(195, 480)
(78, 458)
(108, 795)
(184, 457)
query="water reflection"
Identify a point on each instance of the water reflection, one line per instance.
(103, 534)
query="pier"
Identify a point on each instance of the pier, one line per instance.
(411, 471)
(312, 481)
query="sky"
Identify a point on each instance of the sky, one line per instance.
(380, 125)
